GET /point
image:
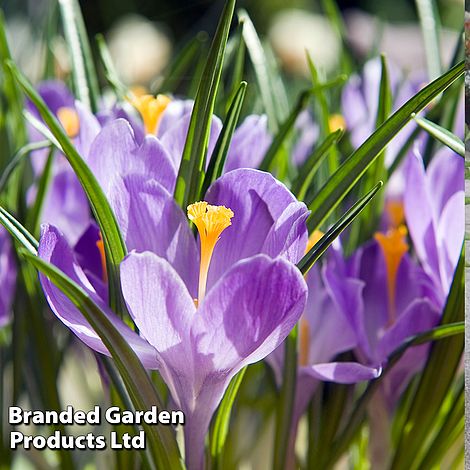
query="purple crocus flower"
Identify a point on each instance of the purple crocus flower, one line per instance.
(434, 210)
(204, 313)
(7, 277)
(360, 101)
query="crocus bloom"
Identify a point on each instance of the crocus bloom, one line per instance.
(7, 276)
(434, 210)
(206, 313)
(360, 101)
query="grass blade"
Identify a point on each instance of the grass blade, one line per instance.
(430, 27)
(341, 182)
(18, 232)
(302, 183)
(191, 171)
(217, 162)
(320, 247)
(83, 69)
(284, 130)
(222, 420)
(442, 135)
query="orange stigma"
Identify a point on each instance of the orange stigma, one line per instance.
(68, 117)
(100, 246)
(396, 212)
(210, 221)
(151, 109)
(304, 341)
(394, 247)
(314, 237)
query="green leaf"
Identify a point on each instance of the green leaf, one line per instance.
(442, 333)
(430, 27)
(222, 420)
(139, 386)
(436, 379)
(181, 63)
(18, 232)
(286, 401)
(34, 214)
(110, 71)
(284, 130)
(18, 158)
(191, 171)
(262, 71)
(302, 183)
(219, 155)
(239, 65)
(442, 135)
(326, 240)
(83, 68)
(322, 111)
(115, 248)
(341, 182)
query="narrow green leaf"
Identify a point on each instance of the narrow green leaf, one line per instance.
(83, 68)
(34, 214)
(323, 112)
(302, 183)
(430, 27)
(115, 248)
(219, 155)
(284, 130)
(440, 333)
(442, 135)
(18, 158)
(238, 67)
(435, 381)
(178, 68)
(286, 401)
(320, 247)
(191, 171)
(261, 67)
(110, 71)
(139, 386)
(451, 429)
(18, 232)
(222, 420)
(341, 182)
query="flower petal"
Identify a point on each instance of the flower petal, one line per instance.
(258, 201)
(342, 372)
(54, 249)
(115, 152)
(150, 220)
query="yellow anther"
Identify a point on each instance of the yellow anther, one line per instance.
(396, 212)
(304, 341)
(100, 246)
(314, 237)
(336, 121)
(394, 247)
(151, 109)
(210, 221)
(68, 117)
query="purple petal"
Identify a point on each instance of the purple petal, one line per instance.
(248, 312)
(66, 205)
(89, 129)
(308, 133)
(174, 138)
(420, 316)
(54, 249)
(150, 220)
(262, 207)
(174, 112)
(249, 143)
(343, 372)
(115, 152)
